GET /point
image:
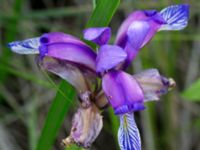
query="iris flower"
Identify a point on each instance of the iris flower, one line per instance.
(76, 62)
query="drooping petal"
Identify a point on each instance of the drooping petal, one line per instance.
(109, 56)
(128, 133)
(153, 84)
(74, 53)
(99, 35)
(123, 92)
(67, 71)
(176, 17)
(86, 126)
(29, 46)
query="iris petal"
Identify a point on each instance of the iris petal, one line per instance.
(29, 46)
(59, 37)
(123, 92)
(79, 54)
(176, 17)
(128, 133)
(67, 71)
(137, 32)
(153, 84)
(152, 17)
(99, 35)
(109, 56)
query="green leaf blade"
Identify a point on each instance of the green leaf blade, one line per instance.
(103, 13)
(56, 116)
(192, 93)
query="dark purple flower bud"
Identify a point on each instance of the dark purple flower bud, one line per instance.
(86, 126)
(99, 35)
(123, 92)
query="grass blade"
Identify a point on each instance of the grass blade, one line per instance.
(55, 116)
(103, 13)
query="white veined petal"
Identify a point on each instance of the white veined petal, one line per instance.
(128, 133)
(29, 46)
(176, 17)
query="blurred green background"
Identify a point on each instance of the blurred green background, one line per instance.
(26, 92)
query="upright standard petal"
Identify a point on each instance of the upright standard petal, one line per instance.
(75, 53)
(99, 35)
(136, 35)
(175, 16)
(137, 32)
(150, 16)
(128, 133)
(109, 56)
(123, 92)
(153, 84)
(29, 46)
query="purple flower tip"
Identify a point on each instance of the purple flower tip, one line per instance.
(99, 35)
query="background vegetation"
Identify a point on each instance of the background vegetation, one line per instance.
(36, 108)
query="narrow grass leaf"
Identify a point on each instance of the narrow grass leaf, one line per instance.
(103, 13)
(55, 116)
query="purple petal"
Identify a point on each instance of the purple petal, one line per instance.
(137, 32)
(150, 16)
(28, 46)
(109, 56)
(123, 92)
(154, 27)
(136, 35)
(59, 37)
(75, 53)
(153, 84)
(176, 17)
(132, 53)
(128, 133)
(99, 35)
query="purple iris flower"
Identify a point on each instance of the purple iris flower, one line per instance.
(76, 62)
